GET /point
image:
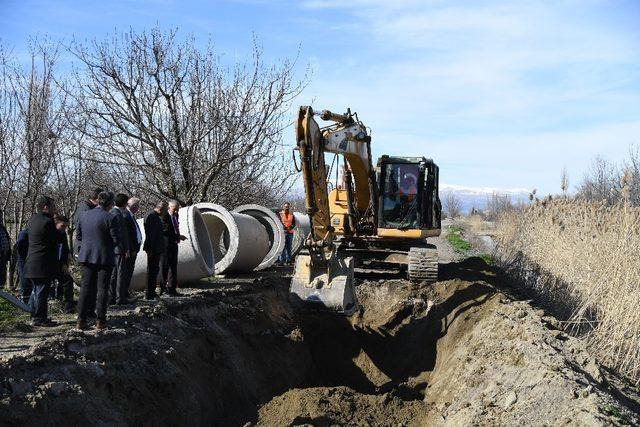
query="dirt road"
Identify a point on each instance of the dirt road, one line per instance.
(463, 351)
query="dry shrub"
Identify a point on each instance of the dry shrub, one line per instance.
(585, 257)
(478, 225)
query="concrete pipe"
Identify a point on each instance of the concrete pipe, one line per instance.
(239, 241)
(195, 255)
(274, 228)
(302, 230)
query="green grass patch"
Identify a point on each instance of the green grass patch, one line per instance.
(455, 239)
(486, 258)
(13, 319)
(615, 412)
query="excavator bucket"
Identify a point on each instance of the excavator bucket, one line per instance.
(328, 287)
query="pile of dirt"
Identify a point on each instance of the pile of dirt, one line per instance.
(457, 352)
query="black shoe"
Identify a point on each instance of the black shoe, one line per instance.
(124, 302)
(151, 297)
(47, 323)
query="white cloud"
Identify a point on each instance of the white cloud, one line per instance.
(496, 92)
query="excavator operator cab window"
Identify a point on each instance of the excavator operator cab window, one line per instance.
(400, 196)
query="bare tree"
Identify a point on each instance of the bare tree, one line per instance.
(632, 171)
(497, 204)
(452, 205)
(173, 118)
(601, 182)
(31, 110)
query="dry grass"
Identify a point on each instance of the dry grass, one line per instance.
(478, 225)
(585, 257)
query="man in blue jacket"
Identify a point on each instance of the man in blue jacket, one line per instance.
(99, 236)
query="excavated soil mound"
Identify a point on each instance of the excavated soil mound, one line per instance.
(458, 352)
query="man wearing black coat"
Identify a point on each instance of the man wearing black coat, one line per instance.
(41, 265)
(172, 238)
(154, 246)
(134, 235)
(5, 252)
(64, 286)
(119, 287)
(99, 236)
(22, 248)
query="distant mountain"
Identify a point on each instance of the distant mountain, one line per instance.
(476, 197)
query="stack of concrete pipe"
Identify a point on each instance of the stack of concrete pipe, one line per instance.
(250, 237)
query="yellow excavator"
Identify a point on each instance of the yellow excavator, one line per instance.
(374, 216)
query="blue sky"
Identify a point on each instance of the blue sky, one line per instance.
(500, 94)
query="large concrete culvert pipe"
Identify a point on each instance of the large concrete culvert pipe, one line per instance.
(239, 241)
(301, 232)
(274, 229)
(195, 255)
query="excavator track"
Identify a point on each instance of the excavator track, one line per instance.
(423, 265)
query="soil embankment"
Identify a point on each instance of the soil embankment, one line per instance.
(459, 352)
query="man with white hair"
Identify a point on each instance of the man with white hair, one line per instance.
(132, 228)
(170, 257)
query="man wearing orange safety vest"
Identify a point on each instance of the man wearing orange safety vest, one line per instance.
(289, 224)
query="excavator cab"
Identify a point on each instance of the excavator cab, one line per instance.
(408, 191)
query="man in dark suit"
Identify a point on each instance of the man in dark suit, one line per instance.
(5, 251)
(154, 246)
(22, 248)
(119, 287)
(99, 235)
(64, 286)
(84, 206)
(134, 236)
(40, 264)
(172, 238)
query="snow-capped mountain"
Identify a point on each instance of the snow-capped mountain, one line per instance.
(476, 197)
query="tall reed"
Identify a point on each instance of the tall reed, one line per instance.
(589, 255)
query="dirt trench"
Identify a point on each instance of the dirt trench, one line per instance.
(457, 352)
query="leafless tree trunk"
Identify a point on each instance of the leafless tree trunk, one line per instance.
(564, 181)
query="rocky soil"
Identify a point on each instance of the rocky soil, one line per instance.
(465, 351)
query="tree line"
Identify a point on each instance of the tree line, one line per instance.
(604, 181)
(148, 113)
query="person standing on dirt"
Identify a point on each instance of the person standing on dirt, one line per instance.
(64, 285)
(154, 246)
(99, 236)
(41, 264)
(134, 236)
(119, 288)
(22, 247)
(172, 238)
(5, 251)
(289, 224)
(83, 207)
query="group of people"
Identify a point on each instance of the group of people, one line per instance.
(106, 244)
